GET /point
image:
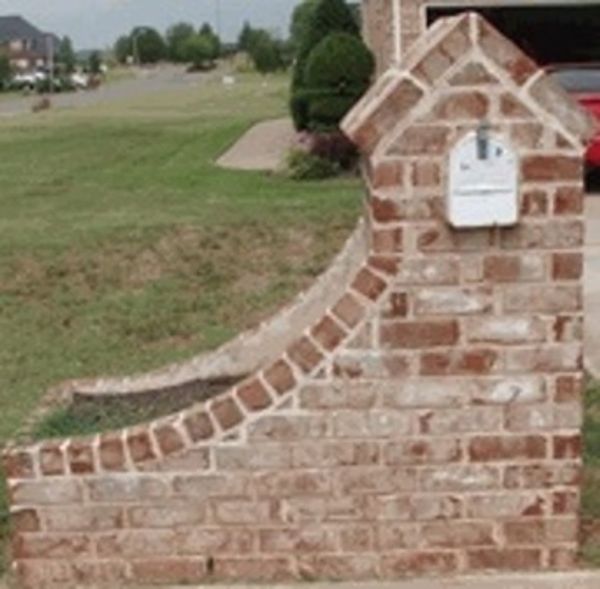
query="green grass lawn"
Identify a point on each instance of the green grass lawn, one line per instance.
(122, 247)
(591, 488)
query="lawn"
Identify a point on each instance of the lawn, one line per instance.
(122, 246)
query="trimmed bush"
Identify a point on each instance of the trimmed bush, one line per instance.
(326, 17)
(337, 74)
(303, 165)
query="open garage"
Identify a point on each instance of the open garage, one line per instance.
(551, 33)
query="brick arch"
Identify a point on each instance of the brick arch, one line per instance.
(428, 421)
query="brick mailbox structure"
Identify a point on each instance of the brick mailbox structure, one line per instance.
(429, 422)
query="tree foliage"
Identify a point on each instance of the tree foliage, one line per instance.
(301, 19)
(66, 55)
(207, 32)
(266, 52)
(176, 39)
(198, 50)
(95, 63)
(326, 18)
(148, 45)
(123, 48)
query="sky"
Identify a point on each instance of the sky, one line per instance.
(97, 23)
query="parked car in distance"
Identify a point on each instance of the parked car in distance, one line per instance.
(80, 80)
(582, 81)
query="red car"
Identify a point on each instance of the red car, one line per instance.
(583, 82)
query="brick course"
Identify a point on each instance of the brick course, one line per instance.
(427, 423)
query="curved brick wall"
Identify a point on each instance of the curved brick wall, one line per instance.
(428, 421)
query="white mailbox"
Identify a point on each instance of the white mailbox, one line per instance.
(484, 179)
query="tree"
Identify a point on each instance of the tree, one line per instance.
(176, 38)
(198, 50)
(301, 19)
(245, 38)
(328, 16)
(338, 72)
(207, 32)
(148, 45)
(123, 49)
(95, 63)
(265, 52)
(5, 71)
(65, 55)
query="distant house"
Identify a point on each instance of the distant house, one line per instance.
(27, 47)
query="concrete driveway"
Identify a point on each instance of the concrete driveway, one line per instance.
(145, 81)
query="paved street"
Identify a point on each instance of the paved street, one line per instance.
(146, 81)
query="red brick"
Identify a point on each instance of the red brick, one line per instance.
(498, 448)
(297, 541)
(328, 333)
(112, 453)
(294, 482)
(386, 264)
(387, 241)
(565, 503)
(384, 210)
(280, 377)
(52, 546)
(368, 284)
(254, 569)
(426, 174)
(349, 310)
(473, 74)
(226, 412)
(168, 438)
(18, 464)
(65, 491)
(25, 520)
(567, 447)
(463, 362)
(528, 135)
(386, 174)
(458, 534)
(543, 476)
(534, 203)
(568, 201)
(140, 445)
(253, 395)
(419, 334)
(551, 168)
(52, 460)
(568, 389)
(418, 562)
(199, 426)
(422, 140)
(541, 532)
(81, 457)
(396, 307)
(353, 567)
(567, 266)
(513, 268)
(422, 451)
(504, 559)
(513, 108)
(564, 558)
(169, 570)
(462, 106)
(305, 354)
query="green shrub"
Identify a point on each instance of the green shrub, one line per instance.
(337, 74)
(324, 18)
(303, 165)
